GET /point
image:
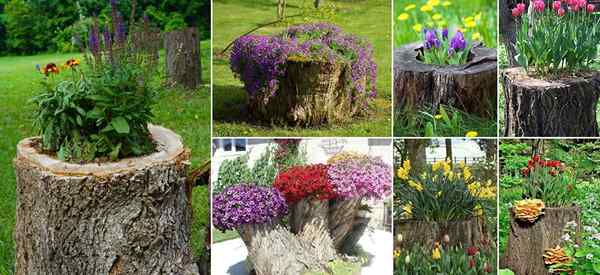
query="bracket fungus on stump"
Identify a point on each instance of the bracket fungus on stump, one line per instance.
(471, 87)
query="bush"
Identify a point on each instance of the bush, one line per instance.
(232, 172)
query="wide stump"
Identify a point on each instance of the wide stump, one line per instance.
(528, 241)
(470, 87)
(126, 217)
(540, 108)
(471, 232)
(311, 93)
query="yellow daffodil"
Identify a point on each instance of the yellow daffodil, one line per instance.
(417, 27)
(470, 24)
(426, 8)
(402, 173)
(416, 185)
(477, 36)
(433, 3)
(403, 16)
(407, 208)
(437, 17)
(410, 7)
(471, 134)
(397, 253)
(467, 173)
(436, 254)
(406, 164)
(474, 188)
(446, 3)
(438, 116)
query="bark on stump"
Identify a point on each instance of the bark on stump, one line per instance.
(342, 214)
(274, 250)
(126, 217)
(310, 94)
(471, 87)
(359, 226)
(461, 232)
(308, 220)
(539, 108)
(527, 242)
(182, 58)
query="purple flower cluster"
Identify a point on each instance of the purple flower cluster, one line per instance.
(457, 43)
(368, 177)
(247, 204)
(260, 61)
(431, 40)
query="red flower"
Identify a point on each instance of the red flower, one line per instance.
(590, 8)
(536, 158)
(525, 171)
(472, 262)
(556, 5)
(472, 250)
(297, 183)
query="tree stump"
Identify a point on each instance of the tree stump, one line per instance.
(127, 217)
(310, 94)
(359, 226)
(342, 214)
(272, 249)
(182, 58)
(527, 242)
(470, 87)
(540, 108)
(461, 232)
(308, 220)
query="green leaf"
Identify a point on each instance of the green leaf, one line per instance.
(120, 125)
(505, 272)
(429, 129)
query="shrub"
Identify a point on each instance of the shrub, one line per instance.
(361, 177)
(563, 39)
(444, 50)
(232, 172)
(260, 61)
(310, 181)
(247, 204)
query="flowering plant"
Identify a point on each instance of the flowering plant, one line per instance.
(361, 177)
(548, 180)
(558, 38)
(299, 182)
(444, 193)
(260, 61)
(443, 50)
(247, 204)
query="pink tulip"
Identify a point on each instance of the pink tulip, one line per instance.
(582, 3)
(556, 5)
(590, 8)
(560, 12)
(539, 5)
(521, 7)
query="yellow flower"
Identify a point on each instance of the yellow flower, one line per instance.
(417, 27)
(470, 24)
(450, 175)
(417, 186)
(467, 173)
(436, 254)
(478, 210)
(476, 36)
(461, 164)
(397, 253)
(407, 208)
(439, 194)
(402, 173)
(406, 164)
(403, 16)
(426, 8)
(446, 3)
(438, 116)
(471, 134)
(433, 3)
(410, 7)
(474, 188)
(437, 17)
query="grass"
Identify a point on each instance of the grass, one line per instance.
(186, 112)
(233, 18)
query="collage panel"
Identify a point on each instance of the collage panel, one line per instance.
(445, 69)
(302, 206)
(302, 68)
(445, 206)
(549, 206)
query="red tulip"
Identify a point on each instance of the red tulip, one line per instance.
(516, 12)
(536, 158)
(472, 250)
(471, 262)
(556, 5)
(590, 8)
(521, 7)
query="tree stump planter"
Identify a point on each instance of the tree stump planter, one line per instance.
(127, 217)
(341, 220)
(528, 241)
(540, 108)
(311, 93)
(461, 232)
(308, 220)
(470, 87)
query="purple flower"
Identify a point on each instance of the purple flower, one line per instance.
(121, 31)
(94, 41)
(107, 39)
(431, 40)
(445, 34)
(458, 42)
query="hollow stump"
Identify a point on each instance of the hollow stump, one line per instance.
(528, 241)
(461, 232)
(311, 93)
(470, 87)
(539, 108)
(126, 217)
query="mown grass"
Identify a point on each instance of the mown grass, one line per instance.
(185, 112)
(233, 18)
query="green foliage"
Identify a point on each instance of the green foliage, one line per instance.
(448, 121)
(585, 254)
(452, 261)
(232, 172)
(555, 190)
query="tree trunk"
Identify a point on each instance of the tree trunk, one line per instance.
(449, 155)
(359, 226)
(527, 242)
(461, 232)
(126, 217)
(308, 220)
(182, 57)
(342, 215)
(471, 87)
(539, 108)
(508, 27)
(312, 93)
(416, 154)
(272, 249)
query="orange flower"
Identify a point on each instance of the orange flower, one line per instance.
(71, 63)
(50, 68)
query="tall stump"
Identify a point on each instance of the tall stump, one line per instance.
(528, 241)
(471, 87)
(470, 232)
(540, 108)
(308, 220)
(126, 217)
(182, 58)
(310, 94)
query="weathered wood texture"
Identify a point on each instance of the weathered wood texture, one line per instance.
(539, 108)
(126, 217)
(508, 26)
(308, 220)
(341, 220)
(182, 58)
(359, 226)
(462, 232)
(471, 87)
(311, 93)
(527, 242)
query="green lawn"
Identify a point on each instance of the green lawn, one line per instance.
(233, 18)
(186, 112)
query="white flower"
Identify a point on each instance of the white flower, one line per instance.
(407, 259)
(590, 229)
(589, 256)
(566, 237)
(576, 245)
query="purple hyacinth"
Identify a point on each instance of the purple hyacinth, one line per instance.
(431, 39)
(445, 34)
(458, 42)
